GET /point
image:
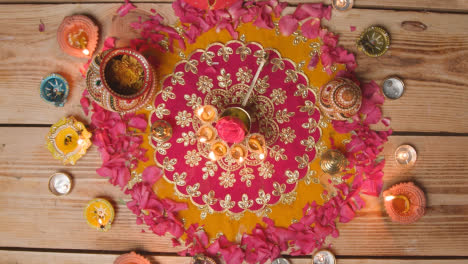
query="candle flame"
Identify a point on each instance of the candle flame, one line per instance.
(241, 159)
(212, 156)
(86, 52)
(200, 111)
(261, 156)
(80, 141)
(99, 221)
(389, 198)
(203, 139)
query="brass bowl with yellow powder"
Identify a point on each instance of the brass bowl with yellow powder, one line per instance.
(126, 74)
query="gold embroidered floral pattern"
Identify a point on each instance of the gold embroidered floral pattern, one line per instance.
(208, 57)
(247, 176)
(227, 179)
(293, 176)
(193, 190)
(161, 111)
(263, 198)
(179, 179)
(287, 135)
(266, 170)
(210, 198)
(192, 158)
(224, 80)
(193, 101)
(244, 75)
(282, 116)
(309, 143)
(302, 91)
(187, 138)
(311, 125)
(178, 77)
(204, 84)
(309, 107)
(168, 164)
(303, 161)
(209, 169)
(183, 118)
(262, 84)
(162, 147)
(278, 64)
(291, 76)
(167, 93)
(191, 65)
(227, 203)
(279, 188)
(278, 96)
(243, 51)
(225, 52)
(245, 203)
(277, 153)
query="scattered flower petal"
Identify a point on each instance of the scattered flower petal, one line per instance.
(41, 26)
(125, 8)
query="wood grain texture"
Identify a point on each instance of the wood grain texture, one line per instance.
(430, 61)
(21, 257)
(447, 6)
(31, 217)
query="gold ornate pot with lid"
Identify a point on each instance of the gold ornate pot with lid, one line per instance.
(340, 99)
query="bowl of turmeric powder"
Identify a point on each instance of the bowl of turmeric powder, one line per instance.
(126, 74)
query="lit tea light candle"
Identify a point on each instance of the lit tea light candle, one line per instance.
(405, 203)
(405, 155)
(239, 152)
(206, 134)
(218, 150)
(324, 257)
(207, 113)
(342, 5)
(60, 184)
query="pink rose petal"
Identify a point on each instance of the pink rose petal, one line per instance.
(311, 28)
(151, 174)
(109, 43)
(41, 26)
(288, 24)
(125, 8)
(352, 28)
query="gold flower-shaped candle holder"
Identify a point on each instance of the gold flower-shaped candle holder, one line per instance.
(206, 134)
(207, 114)
(68, 140)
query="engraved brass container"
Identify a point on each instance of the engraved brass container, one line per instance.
(333, 161)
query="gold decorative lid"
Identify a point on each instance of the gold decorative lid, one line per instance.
(68, 140)
(374, 41)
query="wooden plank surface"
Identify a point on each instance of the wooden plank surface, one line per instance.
(21, 257)
(447, 6)
(31, 217)
(431, 63)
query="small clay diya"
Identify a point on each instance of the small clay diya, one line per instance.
(54, 89)
(99, 213)
(78, 36)
(131, 258)
(68, 140)
(405, 203)
(340, 99)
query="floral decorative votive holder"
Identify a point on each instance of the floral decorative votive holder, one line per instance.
(68, 140)
(99, 213)
(54, 89)
(405, 203)
(131, 258)
(78, 36)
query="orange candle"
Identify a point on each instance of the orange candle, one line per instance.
(207, 113)
(218, 150)
(206, 134)
(405, 203)
(238, 152)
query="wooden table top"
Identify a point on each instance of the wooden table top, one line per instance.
(36, 227)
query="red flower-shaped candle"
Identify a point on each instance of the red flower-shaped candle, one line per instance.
(231, 129)
(405, 203)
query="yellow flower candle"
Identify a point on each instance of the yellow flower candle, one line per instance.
(238, 152)
(207, 113)
(206, 134)
(218, 150)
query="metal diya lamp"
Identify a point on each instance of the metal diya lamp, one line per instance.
(60, 183)
(374, 41)
(161, 130)
(78, 36)
(323, 257)
(405, 156)
(405, 203)
(333, 161)
(342, 5)
(393, 87)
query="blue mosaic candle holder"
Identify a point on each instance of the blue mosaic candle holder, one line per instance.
(54, 89)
